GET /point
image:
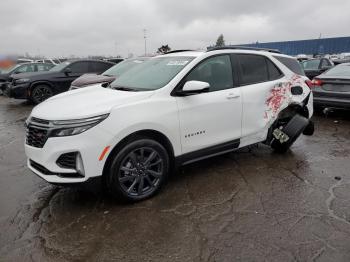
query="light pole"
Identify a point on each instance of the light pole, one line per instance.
(145, 38)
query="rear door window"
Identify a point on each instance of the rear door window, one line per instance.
(253, 69)
(44, 67)
(292, 64)
(80, 67)
(99, 67)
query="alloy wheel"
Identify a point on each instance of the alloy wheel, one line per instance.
(140, 172)
(41, 93)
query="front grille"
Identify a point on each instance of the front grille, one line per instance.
(36, 137)
(45, 171)
(37, 132)
(67, 160)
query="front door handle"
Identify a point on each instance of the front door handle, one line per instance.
(232, 96)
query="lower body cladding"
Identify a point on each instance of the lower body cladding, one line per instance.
(70, 159)
(17, 91)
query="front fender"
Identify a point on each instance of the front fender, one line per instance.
(145, 115)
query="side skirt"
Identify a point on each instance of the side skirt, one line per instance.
(207, 153)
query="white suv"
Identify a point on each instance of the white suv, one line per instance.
(172, 110)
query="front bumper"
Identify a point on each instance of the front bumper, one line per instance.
(17, 91)
(3, 86)
(89, 144)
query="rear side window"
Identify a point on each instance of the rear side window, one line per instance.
(292, 64)
(253, 69)
(274, 72)
(99, 67)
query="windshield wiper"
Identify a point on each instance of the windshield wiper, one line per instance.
(123, 88)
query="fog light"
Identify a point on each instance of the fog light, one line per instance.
(79, 165)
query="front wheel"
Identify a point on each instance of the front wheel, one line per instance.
(138, 170)
(40, 93)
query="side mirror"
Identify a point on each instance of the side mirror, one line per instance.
(193, 87)
(67, 71)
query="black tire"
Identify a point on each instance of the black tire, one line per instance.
(138, 170)
(40, 93)
(294, 128)
(309, 129)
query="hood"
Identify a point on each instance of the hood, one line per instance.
(4, 76)
(90, 79)
(85, 102)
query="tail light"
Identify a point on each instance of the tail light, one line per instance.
(309, 83)
(317, 82)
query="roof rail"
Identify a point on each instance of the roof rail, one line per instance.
(244, 48)
(177, 51)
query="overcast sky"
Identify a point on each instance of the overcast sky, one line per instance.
(104, 27)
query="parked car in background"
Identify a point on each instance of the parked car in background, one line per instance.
(115, 60)
(49, 61)
(332, 88)
(37, 87)
(171, 110)
(302, 57)
(315, 67)
(6, 75)
(108, 76)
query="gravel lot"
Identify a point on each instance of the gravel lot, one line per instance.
(250, 205)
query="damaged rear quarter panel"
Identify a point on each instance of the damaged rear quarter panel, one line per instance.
(280, 97)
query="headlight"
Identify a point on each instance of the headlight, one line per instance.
(22, 80)
(74, 127)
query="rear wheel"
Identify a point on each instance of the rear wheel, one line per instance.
(138, 170)
(40, 93)
(293, 129)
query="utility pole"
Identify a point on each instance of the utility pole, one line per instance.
(145, 38)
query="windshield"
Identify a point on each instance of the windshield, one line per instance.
(122, 67)
(152, 74)
(8, 70)
(311, 64)
(339, 71)
(59, 67)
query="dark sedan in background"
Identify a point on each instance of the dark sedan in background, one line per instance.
(37, 87)
(6, 74)
(315, 67)
(332, 88)
(108, 76)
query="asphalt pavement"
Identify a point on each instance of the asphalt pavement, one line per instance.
(249, 205)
